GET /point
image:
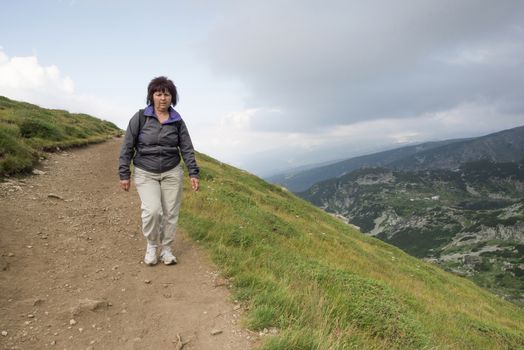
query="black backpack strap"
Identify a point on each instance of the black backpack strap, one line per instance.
(141, 122)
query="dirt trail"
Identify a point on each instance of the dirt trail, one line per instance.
(71, 271)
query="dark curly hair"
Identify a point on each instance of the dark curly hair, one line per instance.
(162, 84)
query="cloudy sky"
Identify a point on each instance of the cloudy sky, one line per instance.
(271, 85)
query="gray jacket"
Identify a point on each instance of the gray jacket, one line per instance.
(156, 147)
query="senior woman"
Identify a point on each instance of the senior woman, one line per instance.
(155, 139)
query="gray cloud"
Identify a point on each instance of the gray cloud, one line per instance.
(340, 62)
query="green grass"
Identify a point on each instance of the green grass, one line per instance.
(26, 130)
(325, 285)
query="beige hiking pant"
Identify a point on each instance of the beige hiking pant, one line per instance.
(161, 195)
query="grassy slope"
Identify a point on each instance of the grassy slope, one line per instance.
(326, 286)
(26, 130)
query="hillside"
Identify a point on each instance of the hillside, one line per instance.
(503, 146)
(304, 279)
(26, 130)
(470, 221)
(324, 285)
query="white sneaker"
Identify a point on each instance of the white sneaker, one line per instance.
(167, 257)
(150, 258)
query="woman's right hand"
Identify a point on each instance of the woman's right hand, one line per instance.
(125, 184)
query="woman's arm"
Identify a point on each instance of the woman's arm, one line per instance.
(188, 154)
(128, 150)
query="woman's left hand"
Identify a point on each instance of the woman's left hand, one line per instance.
(125, 184)
(195, 183)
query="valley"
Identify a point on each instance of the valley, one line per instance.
(469, 221)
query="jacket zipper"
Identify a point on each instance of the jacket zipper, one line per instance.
(159, 146)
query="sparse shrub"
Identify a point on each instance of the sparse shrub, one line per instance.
(15, 156)
(484, 266)
(479, 246)
(240, 238)
(75, 132)
(263, 316)
(33, 127)
(293, 340)
(12, 163)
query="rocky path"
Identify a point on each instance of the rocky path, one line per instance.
(71, 271)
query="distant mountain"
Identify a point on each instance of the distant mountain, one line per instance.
(469, 220)
(295, 170)
(503, 146)
(297, 181)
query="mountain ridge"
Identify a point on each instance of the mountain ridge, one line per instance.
(411, 157)
(502, 146)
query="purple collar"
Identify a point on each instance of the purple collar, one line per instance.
(173, 115)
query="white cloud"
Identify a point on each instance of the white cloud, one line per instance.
(223, 138)
(25, 79)
(24, 76)
(238, 120)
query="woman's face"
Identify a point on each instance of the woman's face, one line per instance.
(162, 100)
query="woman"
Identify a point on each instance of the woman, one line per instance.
(154, 140)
